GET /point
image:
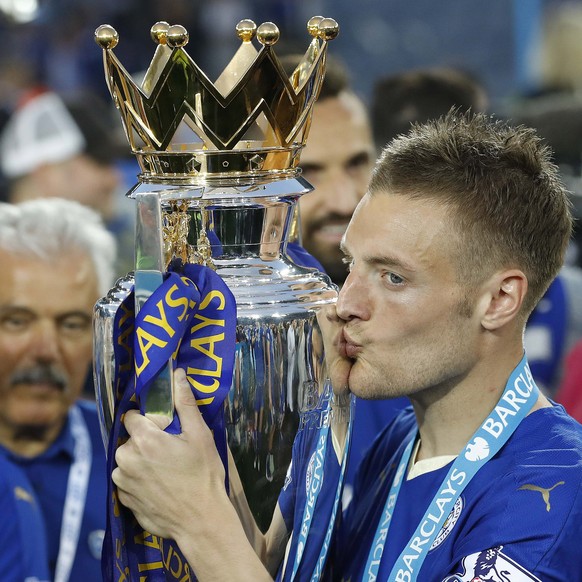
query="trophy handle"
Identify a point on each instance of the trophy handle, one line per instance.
(149, 275)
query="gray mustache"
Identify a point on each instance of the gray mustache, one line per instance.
(40, 375)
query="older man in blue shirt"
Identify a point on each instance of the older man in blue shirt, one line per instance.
(56, 259)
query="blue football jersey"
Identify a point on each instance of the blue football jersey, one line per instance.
(23, 554)
(370, 418)
(519, 519)
(48, 475)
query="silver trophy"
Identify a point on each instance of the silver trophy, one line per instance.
(219, 186)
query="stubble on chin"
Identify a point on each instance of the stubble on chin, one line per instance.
(377, 384)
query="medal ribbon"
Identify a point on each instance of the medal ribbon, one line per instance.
(74, 506)
(518, 398)
(317, 572)
(315, 489)
(190, 320)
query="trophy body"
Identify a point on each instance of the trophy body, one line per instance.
(278, 361)
(225, 197)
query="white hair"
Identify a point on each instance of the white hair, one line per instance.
(47, 228)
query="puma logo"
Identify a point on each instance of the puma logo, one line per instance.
(545, 492)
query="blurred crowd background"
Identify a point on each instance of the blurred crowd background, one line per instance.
(526, 54)
(498, 41)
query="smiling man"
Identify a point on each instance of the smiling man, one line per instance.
(56, 259)
(337, 162)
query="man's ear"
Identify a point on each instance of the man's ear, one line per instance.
(505, 292)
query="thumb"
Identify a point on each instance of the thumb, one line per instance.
(185, 403)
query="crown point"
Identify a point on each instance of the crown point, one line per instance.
(177, 36)
(106, 37)
(159, 32)
(328, 29)
(268, 33)
(246, 30)
(313, 25)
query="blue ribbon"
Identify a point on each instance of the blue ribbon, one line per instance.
(189, 320)
(518, 398)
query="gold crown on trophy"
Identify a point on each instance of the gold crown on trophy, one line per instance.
(249, 124)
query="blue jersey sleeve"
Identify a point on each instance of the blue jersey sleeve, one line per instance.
(287, 496)
(529, 519)
(23, 554)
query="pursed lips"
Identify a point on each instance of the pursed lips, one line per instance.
(348, 347)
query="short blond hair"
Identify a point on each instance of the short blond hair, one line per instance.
(509, 206)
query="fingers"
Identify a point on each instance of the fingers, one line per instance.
(186, 407)
(133, 421)
(123, 495)
(327, 313)
(133, 503)
(330, 313)
(330, 323)
(185, 403)
(117, 475)
(331, 327)
(338, 366)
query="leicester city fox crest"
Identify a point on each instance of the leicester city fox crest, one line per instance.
(449, 524)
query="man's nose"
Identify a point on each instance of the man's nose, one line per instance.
(354, 300)
(45, 342)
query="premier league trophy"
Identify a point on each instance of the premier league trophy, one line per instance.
(218, 188)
